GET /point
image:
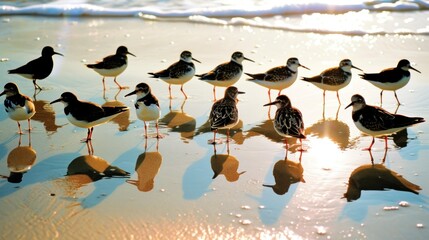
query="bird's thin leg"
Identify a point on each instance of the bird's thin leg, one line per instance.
(370, 146)
(104, 84)
(36, 86)
(145, 129)
(29, 125)
(169, 91)
(157, 130)
(385, 143)
(385, 155)
(214, 93)
(324, 93)
(269, 95)
(287, 148)
(89, 147)
(381, 97)
(338, 97)
(227, 147)
(19, 129)
(280, 92)
(227, 135)
(181, 89)
(397, 100)
(214, 137)
(120, 87)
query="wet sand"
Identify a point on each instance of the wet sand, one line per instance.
(58, 199)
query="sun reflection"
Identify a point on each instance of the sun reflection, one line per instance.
(326, 149)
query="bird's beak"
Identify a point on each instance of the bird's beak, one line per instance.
(55, 101)
(271, 103)
(265, 185)
(245, 58)
(415, 69)
(3, 93)
(241, 92)
(131, 54)
(196, 60)
(351, 104)
(304, 67)
(357, 68)
(131, 93)
(58, 53)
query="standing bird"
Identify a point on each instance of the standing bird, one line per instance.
(333, 79)
(179, 72)
(378, 122)
(147, 106)
(86, 114)
(224, 112)
(225, 74)
(39, 68)
(288, 120)
(278, 78)
(18, 106)
(112, 65)
(391, 79)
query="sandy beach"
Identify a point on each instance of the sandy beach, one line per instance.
(184, 201)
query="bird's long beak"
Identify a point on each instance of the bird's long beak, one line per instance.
(414, 69)
(131, 93)
(55, 101)
(245, 58)
(58, 53)
(266, 185)
(271, 103)
(241, 92)
(196, 60)
(131, 54)
(3, 93)
(357, 68)
(304, 67)
(351, 104)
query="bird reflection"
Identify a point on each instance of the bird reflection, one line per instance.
(20, 160)
(286, 173)
(401, 138)
(235, 132)
(337, 131)
(266, 128)
(376, 177)
(46, 115)
(179, 121)
(123, 119)
(147, 167)
(225, 164)
(90, 168)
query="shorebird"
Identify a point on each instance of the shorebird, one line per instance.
(391, 79)
(225, 74)
(278, 78)
(333, 79)
(147, 106)
(112, 65)
(39, 68)
(179, 72)
(19, 107)
(86, 114)
(224, 112)
(376, 121)
(288, 121)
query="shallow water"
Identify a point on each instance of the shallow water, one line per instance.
(185, 201)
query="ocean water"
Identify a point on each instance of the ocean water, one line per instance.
(344, 17)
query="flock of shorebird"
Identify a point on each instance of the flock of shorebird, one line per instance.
(288, 121)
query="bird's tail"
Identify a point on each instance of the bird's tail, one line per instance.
(369, 76)
(255, 76)
(90, 65)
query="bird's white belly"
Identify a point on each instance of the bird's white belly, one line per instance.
(20, 114)
(26, 75)
(85, 124)
(328, 87)
(111, 72)
(181, 80)
(381, 133)
(148, 113)
(391, 86)
(279, 85)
